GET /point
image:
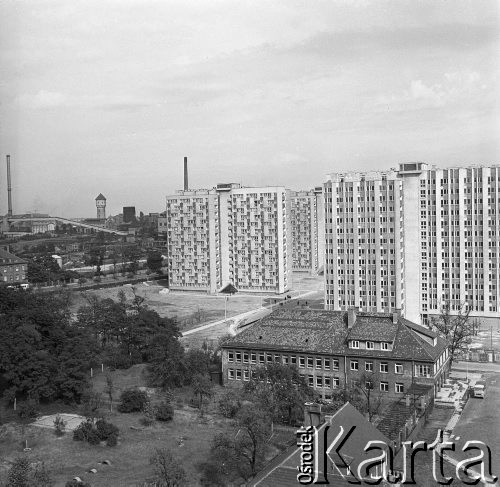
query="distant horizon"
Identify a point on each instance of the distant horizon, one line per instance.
(119, 209)
(105, 96)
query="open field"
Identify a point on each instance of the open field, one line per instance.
(188, 436)
(194, 308)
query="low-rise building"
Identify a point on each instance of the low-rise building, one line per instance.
(13, 269)
(339, 349)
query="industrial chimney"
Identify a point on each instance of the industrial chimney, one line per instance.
(186, 184)
(9, 188)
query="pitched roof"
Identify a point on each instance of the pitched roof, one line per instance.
(326, 332)
(282, 470)
(8, 258)
(100, 197)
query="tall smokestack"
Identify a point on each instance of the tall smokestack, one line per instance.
(9, 188)
(186, 184)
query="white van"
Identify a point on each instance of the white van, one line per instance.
(479, 389)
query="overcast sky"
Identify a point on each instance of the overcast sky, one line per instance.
(108, 96)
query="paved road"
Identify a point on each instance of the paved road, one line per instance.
(480, 420)
(477, 366)
(236, 318)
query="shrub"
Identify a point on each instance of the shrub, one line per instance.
(105, 429)
(112, 440)
(59, 425)
(81, 433)
(147, 421)
(75, 483)
(28, 410)
(132, 400)
(164, 412)
(229, 405)
(93, 437)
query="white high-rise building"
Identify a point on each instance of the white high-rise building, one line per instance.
(444, 224)
(308, 230)
(364, 261)
(230, 235)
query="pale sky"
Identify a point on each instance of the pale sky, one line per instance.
(108, 96)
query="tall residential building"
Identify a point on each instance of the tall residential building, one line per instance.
(452, 236)
(364, 242)
(229, 235)
(308, 230)
(417, 238)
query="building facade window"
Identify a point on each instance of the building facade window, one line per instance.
(369, 366)
(384, 386)
(398, 368)
(384, 367)
(354, 365)
(399, 387)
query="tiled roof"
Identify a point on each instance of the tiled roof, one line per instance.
(282, 471)
(326, 332)
(8, 258)
(100, 197)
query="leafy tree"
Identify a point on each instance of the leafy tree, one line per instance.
(168, 470)
(166, 366)
(281, 390)
(457, 329)
(132, 255)
(230, 403)
(202, 387)
(196, 362)
(42, 355)
(154, 261)
(92, 404)
(243, 454)
(365, 397)
(43, 268)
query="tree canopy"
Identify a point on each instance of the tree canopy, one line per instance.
(42, 354)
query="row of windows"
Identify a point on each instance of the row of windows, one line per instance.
(318, 363)
(262, 358)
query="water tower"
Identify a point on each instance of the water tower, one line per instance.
(100, 203)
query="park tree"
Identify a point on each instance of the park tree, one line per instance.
(154, 261)
(132, 255)
(196, 362)
(166, 366)
(457, 329)
(241, 455)
(281, 390)
(42, 355)
(365, 397)
(43, 268)
(202, 388)
(167, 469)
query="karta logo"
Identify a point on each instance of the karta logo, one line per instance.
(318, 458)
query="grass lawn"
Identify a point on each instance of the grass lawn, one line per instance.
(195, 308)
(188, 436)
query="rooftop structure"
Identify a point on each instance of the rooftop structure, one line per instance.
(334, 348)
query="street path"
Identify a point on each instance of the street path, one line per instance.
(235, 319)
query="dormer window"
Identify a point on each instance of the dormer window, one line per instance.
(354, 344)
(370, 345)
(384, 346)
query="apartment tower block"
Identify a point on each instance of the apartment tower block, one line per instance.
(364, 261)
(308, 230)
(229, 235)
(418, 238)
